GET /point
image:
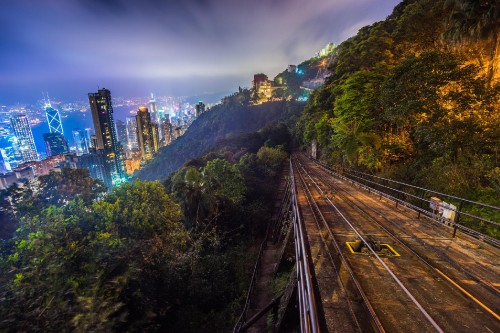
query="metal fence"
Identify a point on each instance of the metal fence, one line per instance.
(468, 216)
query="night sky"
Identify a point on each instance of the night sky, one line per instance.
(188, 47)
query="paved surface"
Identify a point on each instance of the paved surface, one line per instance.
(453, 281)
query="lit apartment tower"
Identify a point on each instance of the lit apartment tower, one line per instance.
(55, 144)
(200, 108)
(105, 134)
(81, 140)
(156, 136)
(153, 109)
(53, 118)
(132, 133)
(167, 131)
(26, 143)
(146, 136)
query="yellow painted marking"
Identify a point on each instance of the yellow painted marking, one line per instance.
(349, 247)
(394, 252)
(468, 294)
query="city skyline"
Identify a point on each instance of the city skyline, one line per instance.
(181, 48)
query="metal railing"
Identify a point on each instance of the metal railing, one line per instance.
(419, 199)
(307, 304)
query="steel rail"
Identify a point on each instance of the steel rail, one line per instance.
(422, 259)
(307, 303)
(391, 273)
(346, 264)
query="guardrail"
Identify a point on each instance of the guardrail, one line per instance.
(307, 304)
(419, 199)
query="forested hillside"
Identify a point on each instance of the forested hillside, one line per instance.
(233, 115)
(416, 98)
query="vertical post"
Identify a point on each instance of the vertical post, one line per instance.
(421, 202)
(457, 219)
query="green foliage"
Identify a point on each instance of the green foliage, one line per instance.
(271, 159)
(57, 188)
(97, 266)
(404, 102)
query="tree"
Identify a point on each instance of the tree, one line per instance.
(271, 159)
(441, 104)
(114, 265)
(58, 188)
(473, 21)
(206, 192)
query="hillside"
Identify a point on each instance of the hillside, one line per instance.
(234, 115)
(416, 97)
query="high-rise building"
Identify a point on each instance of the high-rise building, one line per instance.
(82, 142)
(88, 136)
(53, 118)
(200, 108)
(105, 134)
(55, 144)
(3, 167)
(25, 142)
(132, 133)
(167, 132)
(156, 137)
(153, 109)
(147, 139)
(121, 132)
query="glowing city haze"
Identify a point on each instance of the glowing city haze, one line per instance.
(188, 47)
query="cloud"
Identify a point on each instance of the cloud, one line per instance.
(171, 39)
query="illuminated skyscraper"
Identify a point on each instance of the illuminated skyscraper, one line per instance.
(25, 142)
(153, 109)
(105, 134)
(147, 139)
(82, 142)
(132, 133)
(88, 136)
(121, 132)
(55, 144)
(53, 118)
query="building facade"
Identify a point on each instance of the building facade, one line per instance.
(147, 139)
(81, 141)
(106, 140)
(55, 144)
(25, 142)
(53, 119)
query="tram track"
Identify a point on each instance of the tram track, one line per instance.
(328, 238)
(365, 221)
(376, 215)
